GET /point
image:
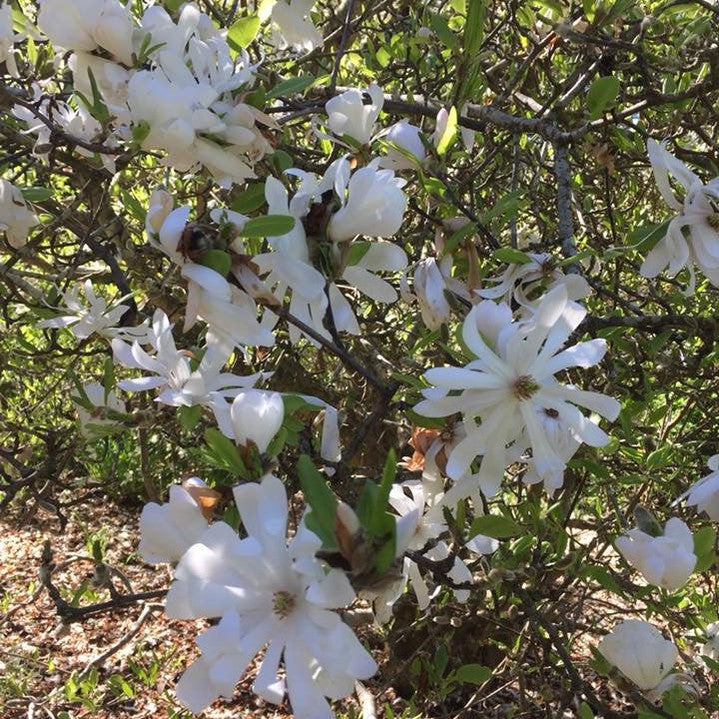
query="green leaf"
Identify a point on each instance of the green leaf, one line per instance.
(442, 30)
(280, 160)
(140, 132)
(243, 32)
(217, 260)
(449, 134)
(223, 450)
(471, 673)
(644, 238)
(188, 417)
(585, 711)
(268, 226)
(36, 194)
(705, 548)
(320, 499)
(250, 199)
(601, 95)
(511, 256)
(496, 526)
(291, 86)
(357, 251)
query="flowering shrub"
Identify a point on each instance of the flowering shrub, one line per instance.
(278, 247)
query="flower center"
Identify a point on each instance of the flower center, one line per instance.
(524, 387)
(283, 604)
(713, 221)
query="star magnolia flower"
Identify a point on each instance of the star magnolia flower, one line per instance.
(257, 417)
(87, 320)
(693, 235)
(15, 218)
(523, 282)
(407, 137)
(293, 25)
(418, 500)
(704, 495)
(168, 530)
(348, 115)
(640, 652)
(666, 561)
(268, 593)
(511, 378)
(94, 423)
(373, 203)
(87, 25)
(711, 646)
(8, 37)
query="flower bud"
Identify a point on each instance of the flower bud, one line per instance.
(257, 416)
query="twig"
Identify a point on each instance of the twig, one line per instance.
(342, 46)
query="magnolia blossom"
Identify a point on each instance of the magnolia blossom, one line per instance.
(8, 37)
(711, 646)
(167, 531)
(15, 217)
(526, 282)
(704, 495)
(408, 137)
(666, 561)
(93, 406)
(511, 379)
(417, 502)
(293, 25)
(77, 122)
(641, 653)
(89, 317)
(429, 285)
(268, 593)
(171, 372)
(373, 203)
(87, 25)
(287, 268)
(257, 416)
(692, 236)
(348, 115)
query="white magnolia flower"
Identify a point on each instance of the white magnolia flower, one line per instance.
(93, 315)
(167, 531)
(513, 377)
(525, 283)
(416, 502)
(257, 416)
(666, 561)
(15, 217)
(407, 137)
(87, 25)
(429, 285)
(8, 37)
(373, 203)
(268, 593)
(348, 115)
(287, 268)
(704, 495)
(640, 652)
(95, 422)
(711, 646)
(293, 25)
(692, 236)
(170, 372)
